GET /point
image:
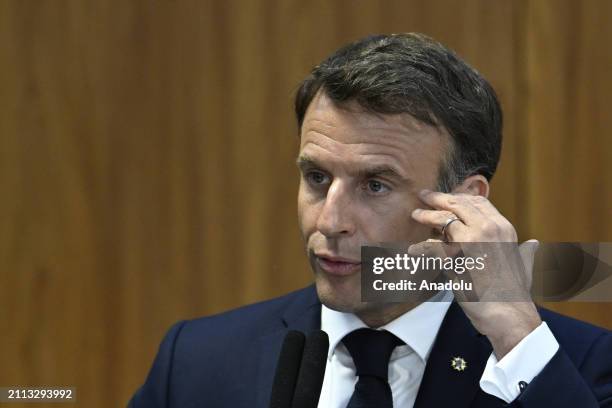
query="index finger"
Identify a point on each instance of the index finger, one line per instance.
(458, 204)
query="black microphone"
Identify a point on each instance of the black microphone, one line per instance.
(287, 370)
(312, 371)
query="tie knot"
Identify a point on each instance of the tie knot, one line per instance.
(371, 350)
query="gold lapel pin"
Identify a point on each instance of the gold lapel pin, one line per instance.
(458, 363)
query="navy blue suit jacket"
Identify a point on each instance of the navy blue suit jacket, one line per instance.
(228, 360)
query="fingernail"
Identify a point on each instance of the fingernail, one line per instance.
(424, 192)
(416, 211)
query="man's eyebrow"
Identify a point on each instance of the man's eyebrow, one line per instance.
(305, 161)
(382, 170)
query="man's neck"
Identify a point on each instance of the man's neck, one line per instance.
(380, 316)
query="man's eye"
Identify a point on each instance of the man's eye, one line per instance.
(316, 178)
(375, 186)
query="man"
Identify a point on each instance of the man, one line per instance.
(399, 139)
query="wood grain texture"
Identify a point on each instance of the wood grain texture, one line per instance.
(147, 158)
(567, 140)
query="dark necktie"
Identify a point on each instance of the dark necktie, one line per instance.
(371, 350)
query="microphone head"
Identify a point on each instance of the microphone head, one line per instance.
(287, 369)
(312, 371)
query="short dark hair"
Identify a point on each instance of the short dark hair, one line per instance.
(412, 73)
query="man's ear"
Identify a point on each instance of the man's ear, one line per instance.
(474, 185)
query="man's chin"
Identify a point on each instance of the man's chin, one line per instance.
(340, 296)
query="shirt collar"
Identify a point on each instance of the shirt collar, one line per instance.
(417, 328)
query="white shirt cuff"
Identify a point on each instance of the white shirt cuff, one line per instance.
(501, 378)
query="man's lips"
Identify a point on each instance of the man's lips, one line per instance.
(337, 265)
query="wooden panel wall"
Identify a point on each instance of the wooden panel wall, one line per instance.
(147, 147)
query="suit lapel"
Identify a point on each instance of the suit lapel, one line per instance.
(442, 385)
(303, 314)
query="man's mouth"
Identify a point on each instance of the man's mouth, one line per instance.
(337, 265)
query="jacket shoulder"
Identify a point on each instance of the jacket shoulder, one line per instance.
(250, 320)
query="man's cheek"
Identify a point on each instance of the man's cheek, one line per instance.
(307, 218)
(302, 208)
(404, 228)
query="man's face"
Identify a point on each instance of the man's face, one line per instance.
(360, 176)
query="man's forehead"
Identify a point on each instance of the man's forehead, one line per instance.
(366, 141)
(407, 161)
(365, 133)
(323, 111)
(364, 164)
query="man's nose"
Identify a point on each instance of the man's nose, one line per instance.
(335, 219)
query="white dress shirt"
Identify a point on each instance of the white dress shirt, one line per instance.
(418, 328)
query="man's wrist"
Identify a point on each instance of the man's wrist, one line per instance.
(511, 327)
